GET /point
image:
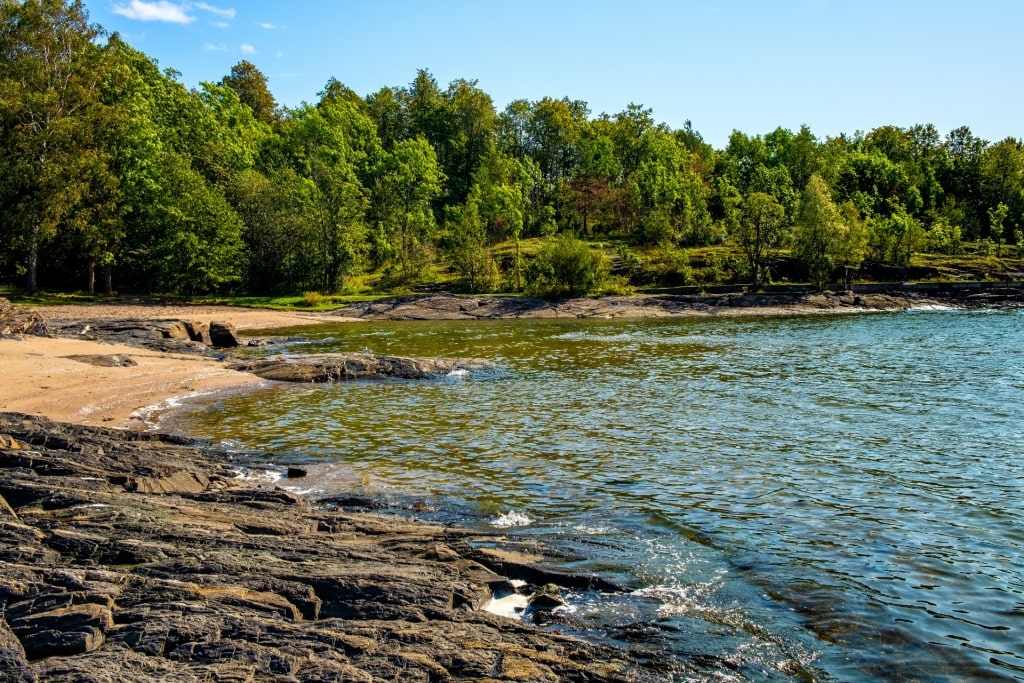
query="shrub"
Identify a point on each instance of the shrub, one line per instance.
(311, 299)
(565, 265)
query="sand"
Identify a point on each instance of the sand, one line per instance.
(37, 377)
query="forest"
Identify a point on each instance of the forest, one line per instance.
(115, 176)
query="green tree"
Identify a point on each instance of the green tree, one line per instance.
(251, 86)
(996, 218)
(852, 242)
(817, 232)
(334, 151)
(51, 72)
(472, 254)
(759, 229)
(409, 180)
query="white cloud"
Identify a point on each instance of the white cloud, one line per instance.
(227, 13)
(219, 47)
(279, 55)
(268, 26)
(247, 49)
(222, 24)
(162, 10)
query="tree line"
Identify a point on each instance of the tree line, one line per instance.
(113, 172)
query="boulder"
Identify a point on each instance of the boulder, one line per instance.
(18, 320)
(199, 332)
(223, 336)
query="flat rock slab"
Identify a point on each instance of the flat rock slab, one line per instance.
(339, 367)
(128, 556)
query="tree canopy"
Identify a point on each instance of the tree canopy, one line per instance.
(108, 163)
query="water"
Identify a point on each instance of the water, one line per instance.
(799, 498)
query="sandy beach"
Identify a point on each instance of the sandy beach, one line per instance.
(38, 377)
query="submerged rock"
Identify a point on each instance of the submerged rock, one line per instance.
(339, 367)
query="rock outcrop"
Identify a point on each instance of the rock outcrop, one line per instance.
(18, 320)
(339, 367)
(130, 556)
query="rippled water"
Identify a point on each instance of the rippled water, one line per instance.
(827, 498)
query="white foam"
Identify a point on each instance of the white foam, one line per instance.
(510, 519)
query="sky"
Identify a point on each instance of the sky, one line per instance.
(749, 65)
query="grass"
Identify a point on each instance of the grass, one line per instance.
(721, 264)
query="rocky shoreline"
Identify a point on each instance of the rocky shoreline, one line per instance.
(452, 307)
(131, 556)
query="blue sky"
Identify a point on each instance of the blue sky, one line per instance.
(746, 65)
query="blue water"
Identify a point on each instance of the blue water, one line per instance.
(791, 498)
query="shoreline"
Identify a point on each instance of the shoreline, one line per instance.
(39, 375)
(144, 554)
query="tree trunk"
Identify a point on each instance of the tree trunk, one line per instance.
(108, 279)
(92, 276)
(33, 262)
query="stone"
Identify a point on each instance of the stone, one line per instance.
(198, 332)
(340, 367)
(295, 473)
(547, 597)
(105, 361)
(18, 320)
(223, 335)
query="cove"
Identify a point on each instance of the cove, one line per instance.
(790, 498)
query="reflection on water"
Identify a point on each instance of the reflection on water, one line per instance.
(811, 497)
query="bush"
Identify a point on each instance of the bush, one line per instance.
(311, 299)
(565, 265)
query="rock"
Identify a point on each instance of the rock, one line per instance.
(103, 578)
(198, 332)
(223, 335)
(295, 473)
(17, 320)
(338, 367)
(105, 361)
(547, 597)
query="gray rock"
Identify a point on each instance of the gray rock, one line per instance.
(223, 336)
(338, 367)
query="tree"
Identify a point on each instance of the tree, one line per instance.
(759, 229)
(817, 232)
(471, 253)
(852, 243)
(251, 86)
(409, 180)
(996, 217)
(334, 152)
(51, 70)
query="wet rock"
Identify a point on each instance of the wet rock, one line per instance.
(295, 473)
(547, 597)
(339, 367)
(103, 578)
(223, 335)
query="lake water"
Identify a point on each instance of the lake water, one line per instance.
(792, 498)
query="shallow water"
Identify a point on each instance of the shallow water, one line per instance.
(810, 497)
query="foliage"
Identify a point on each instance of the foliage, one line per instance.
(110, 165)
(565, 266)
(759, 230)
